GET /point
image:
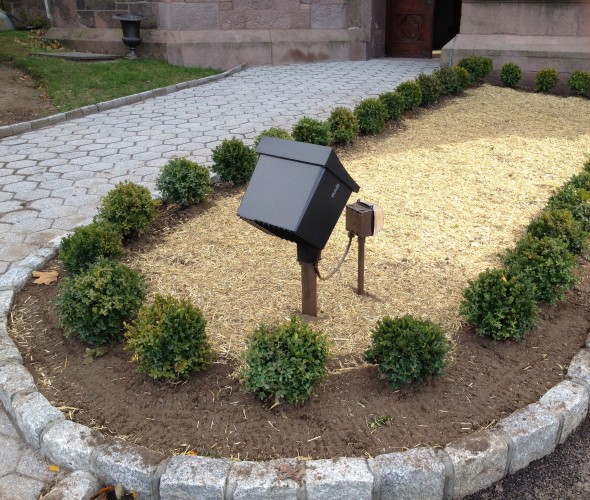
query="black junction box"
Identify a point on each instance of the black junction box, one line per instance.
(297, 191)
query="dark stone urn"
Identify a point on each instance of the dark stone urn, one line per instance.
(130, 24)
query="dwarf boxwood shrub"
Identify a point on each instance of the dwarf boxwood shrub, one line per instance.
(276, 132)
(546, 263)
(394, 103)
(343, 126)
(312, 131)
(87, 244)
(546, 79)
(129, 208)
(285, 361)
(574, 199)
(431, 88)
(579, 83)
(412, 94)
(234, 161)
(448, 79)
(184, 182)
(168, 339)
(407, 349)
(463, 77)
(502, 306)
(95, 304)
(478, 67)
(559, 224)
(510, 74)
(371, 114)
(580, 181)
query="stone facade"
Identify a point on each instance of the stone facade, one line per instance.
(531, 33)
(225, 33)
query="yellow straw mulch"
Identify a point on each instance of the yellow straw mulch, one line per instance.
(458, 184)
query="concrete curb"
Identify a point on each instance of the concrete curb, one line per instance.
(47, 121)
(463, 467)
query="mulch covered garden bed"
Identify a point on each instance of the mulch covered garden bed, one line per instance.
(458, 184)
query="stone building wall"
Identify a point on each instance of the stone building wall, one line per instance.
(531, 33)
(223, 33)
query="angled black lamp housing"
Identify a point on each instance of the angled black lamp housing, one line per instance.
(297, 192)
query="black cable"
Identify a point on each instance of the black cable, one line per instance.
(317, 271)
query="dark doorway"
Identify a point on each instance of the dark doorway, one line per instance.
(414, 28)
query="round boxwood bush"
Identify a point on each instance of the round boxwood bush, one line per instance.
(87, 244)
(95, 304)
(572, 198)
(394, 102)
(478, 67)
(129, 208)
(371, 114)
(184, 182)
(546, 263)
(579, 83)
(234, 161)
(343, 126)
(431, 88)
(312, 131)
(546, 79)
(284, 362)
(559, 224)
(510, 74)
(449, 80)
(502, 306)
(463, 77)
(412, 94)
(276, 132)
(168, 339)
(407, 349)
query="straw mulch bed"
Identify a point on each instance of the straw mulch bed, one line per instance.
(457, 186)
(458, 183)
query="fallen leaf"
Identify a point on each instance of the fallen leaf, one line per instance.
(90, 354)
(45, 277)
(53, 468)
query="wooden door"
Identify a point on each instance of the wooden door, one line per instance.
(409, 28)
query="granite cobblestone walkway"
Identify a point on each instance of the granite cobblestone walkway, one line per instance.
(53, 179)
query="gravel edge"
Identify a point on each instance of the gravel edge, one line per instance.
(463, 467)
(47, 121)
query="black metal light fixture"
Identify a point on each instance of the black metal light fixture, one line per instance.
(297, 192)
(130, 24)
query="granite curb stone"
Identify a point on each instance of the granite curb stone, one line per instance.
(14, 379)
(121, 462)
(579, 368)
(533, 432)
(254, 480)
(33, 413)
(69, 444)
(338, 478)
(413, 475)
(19, 128)
(569, 401)
(78, 485)
(15, 278)
(478, 461)
(9, 352)
(187, 477)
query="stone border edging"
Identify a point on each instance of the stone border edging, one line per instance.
(46, 121)
(463, 467)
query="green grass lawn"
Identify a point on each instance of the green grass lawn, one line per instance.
(71, 84)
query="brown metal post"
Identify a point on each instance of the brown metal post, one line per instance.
(361, 266)
(309, 289)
